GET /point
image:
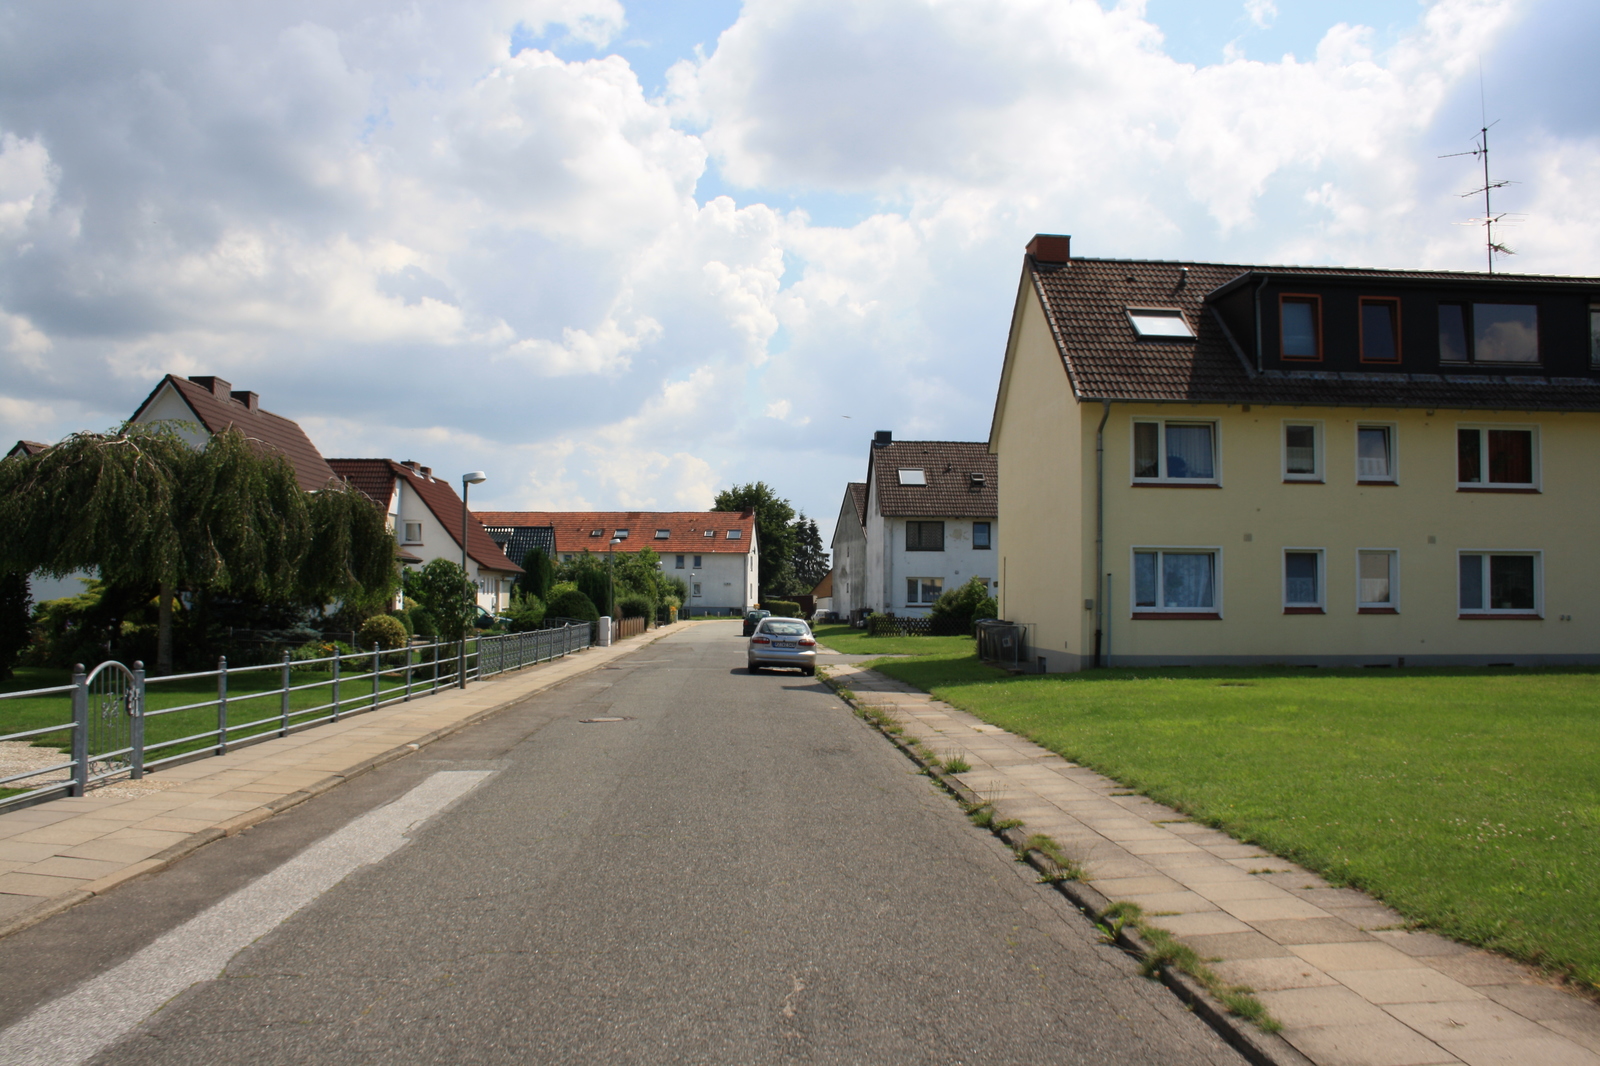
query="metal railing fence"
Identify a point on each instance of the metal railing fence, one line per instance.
(120, 723)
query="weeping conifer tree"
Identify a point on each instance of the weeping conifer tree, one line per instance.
(144, 509)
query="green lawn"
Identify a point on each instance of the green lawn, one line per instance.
(843, 638)
(1467, 799)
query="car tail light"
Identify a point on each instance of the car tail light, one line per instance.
(761, 640)
(808, 643)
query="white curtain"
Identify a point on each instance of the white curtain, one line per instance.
(1188, 579)
(1189, 451)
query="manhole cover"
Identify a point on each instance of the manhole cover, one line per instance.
(607, 718)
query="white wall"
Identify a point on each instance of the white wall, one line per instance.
(727, 580)
(169, 406)
(494, 586)
(849, 560)
(958, 563)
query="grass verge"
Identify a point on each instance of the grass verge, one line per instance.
(1468, 800)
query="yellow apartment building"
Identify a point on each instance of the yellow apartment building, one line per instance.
(1209, 464)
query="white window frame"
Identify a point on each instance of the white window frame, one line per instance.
(1321, 604)
(1161, 451)
(1318, 464)
(1157, 316)
(1484, 428)
(1502, 612)
(1393, 430)
(1393, 606)
(406, 528)
(1134, 610)
(735, 534)
(910, 602)
(696, 591)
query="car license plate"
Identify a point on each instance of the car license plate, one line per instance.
(783, 644)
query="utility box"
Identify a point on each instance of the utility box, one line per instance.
(603, 632)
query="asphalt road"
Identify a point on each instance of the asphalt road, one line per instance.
(739, 871)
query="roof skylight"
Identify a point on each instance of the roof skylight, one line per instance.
(913, 477)
(1159, 322)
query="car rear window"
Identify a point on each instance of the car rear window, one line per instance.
(785, 629)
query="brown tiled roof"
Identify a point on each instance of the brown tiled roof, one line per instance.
(368, 476)
(26, 448)
(824, 587)
(1085, 302)
(858, 497)
(948, 467)
(686, 530)
(216, 407)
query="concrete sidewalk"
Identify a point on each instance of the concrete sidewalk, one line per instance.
(1348, 982)
(58, 854)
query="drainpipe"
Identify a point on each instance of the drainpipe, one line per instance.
(1257, 298)
(1099, 525)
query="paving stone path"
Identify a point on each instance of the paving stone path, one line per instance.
(1349, 984)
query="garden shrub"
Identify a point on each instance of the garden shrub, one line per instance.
(526, 614)
(422, 623)
(383, 630)
(634, 606)
(783, 608)
(573, 604)
(403, 616)
(960, 606)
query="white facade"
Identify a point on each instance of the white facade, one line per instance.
(891, 567)
(421, 533)
(718, 581)
(849, 560)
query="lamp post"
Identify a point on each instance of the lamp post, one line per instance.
(611, 581)
(476, 477)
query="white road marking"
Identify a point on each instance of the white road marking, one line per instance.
(75, 1027)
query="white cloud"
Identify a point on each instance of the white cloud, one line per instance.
(1261, 12)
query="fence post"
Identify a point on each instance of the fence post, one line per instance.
(80, 732)
(283, 699)
(336, 659)
(222, 705)
(435, 664)
(461, 662)
(408, 672)
(377, 668)
(136, 727)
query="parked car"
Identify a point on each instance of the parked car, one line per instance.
(782, 642)
(752, 619)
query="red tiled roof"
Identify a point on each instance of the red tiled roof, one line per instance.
(368, 475)
(216, 407)
(686, 530)
(1085, 301)
(824, 587)
(948, 467)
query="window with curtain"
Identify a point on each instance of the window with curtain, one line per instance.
(1375, 579)
(1175, 580)
(1302, 579)
(923, 590)
(1174, 451)
(1499, 583)
(1374, 453)
(1300, 459)
(1487, 457)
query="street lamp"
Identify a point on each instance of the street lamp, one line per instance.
(476, 477)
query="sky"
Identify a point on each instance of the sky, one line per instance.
(622, 255)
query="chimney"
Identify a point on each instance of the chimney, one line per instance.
(411, 465)
(219, 388)
(882, 437)
(249, 399)
(426, 471)
(1051, 248)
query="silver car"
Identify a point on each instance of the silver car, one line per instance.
(782, 642)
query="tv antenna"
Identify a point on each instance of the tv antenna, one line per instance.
(1480, 150)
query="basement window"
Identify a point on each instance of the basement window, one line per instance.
(1159, 322)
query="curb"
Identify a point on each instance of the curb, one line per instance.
(1259, 1048)
(49, 908)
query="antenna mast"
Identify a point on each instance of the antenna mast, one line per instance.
(1481, 151)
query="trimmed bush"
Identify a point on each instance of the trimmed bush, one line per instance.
(573, 604)
(958, 607)
(403, 616)
(384, 631)
(634, 606)
(783, 608)
(422, 623)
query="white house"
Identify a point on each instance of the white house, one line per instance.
(850, 552)
(713, 552)
(929, 524)
(425, 515)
